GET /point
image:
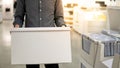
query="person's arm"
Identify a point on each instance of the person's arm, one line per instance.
(19, 14)
(59, 17)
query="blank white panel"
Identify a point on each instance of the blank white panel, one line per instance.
(41, 45)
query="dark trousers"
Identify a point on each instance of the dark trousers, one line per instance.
(46, 66)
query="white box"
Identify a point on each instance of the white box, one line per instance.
(85, 64)
(101, 60)
(116, 61)
(88, 50)
(41, 45)
(113, 15)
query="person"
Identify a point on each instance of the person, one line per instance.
(14, 5)
(39, 13)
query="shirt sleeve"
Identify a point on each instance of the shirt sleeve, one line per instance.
(59, 17)
(19, 13)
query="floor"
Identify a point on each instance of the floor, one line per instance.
(5, 48)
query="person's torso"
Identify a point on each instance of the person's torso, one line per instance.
(40, 13)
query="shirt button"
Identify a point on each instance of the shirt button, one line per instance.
(40, 10)
(40, 1)
(40, 18)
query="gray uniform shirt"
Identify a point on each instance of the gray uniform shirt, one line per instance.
(39, 13)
